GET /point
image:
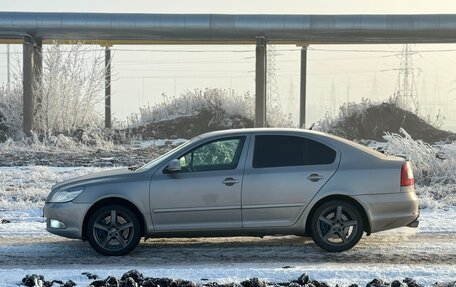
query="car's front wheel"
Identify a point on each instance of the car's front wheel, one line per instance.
(337, 225)
(113, 230)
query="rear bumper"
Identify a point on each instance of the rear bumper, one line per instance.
(392, 210)
(414, 224)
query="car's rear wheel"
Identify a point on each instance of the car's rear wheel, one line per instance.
(337, 225)
(113, 230)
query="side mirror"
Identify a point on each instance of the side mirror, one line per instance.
(173, 166)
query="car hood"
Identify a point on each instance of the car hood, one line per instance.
(93, 178)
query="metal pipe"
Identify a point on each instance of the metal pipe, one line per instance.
(217, 28)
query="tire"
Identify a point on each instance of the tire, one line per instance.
(113, 239)
(337, 225)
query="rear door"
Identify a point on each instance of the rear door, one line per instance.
(282, 175)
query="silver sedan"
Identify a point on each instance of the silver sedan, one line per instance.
(249, 182)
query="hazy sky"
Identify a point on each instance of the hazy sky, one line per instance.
(348, 72)
(234, 6)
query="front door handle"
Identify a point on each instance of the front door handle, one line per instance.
(315, 177)
(229, 181)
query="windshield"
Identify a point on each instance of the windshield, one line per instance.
(158, 159)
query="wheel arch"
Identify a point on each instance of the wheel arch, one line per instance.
(367, 226)
(109, 201)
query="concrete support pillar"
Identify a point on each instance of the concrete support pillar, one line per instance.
(107, 88)
(27, 84)
(260, 83)
(8, 68)
(37, 74)
(303, 84)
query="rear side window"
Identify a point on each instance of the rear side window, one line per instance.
(276, 151)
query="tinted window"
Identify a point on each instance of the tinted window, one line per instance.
(274, 151)
(215, 155)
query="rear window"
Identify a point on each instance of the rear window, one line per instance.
(276, 151)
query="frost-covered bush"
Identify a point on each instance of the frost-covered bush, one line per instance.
(436, 195)
(345, 110)
(10, 110)
(431, 163)
(434, 167)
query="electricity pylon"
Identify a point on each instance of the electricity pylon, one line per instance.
(405, 93)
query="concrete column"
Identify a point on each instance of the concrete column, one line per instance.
(27, 84)
(260, 83)
(37, 74)
(107, 88)
(8, 70)
(302, 97)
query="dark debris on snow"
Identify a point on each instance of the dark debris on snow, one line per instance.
(134, 278)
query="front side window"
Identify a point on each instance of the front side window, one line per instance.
(277, 151)
(216, 155)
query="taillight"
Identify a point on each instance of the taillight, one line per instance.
(407, 175)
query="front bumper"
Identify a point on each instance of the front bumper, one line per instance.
(70, 214)
(392, 210)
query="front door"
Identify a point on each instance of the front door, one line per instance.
(206, 193)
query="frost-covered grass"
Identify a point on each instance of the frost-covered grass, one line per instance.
(23, 190)
(57, 144)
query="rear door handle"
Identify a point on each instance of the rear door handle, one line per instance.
(229, 181)
(315, 177)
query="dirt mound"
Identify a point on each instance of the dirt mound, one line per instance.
(372, 123)
(191, 125)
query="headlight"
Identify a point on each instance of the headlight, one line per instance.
(66, 195)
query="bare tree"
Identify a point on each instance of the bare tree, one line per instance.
(69, 91)
(70, 88)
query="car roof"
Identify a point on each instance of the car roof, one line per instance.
(261, 130)
(338, 141)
